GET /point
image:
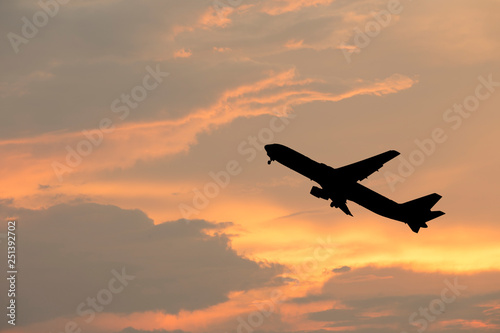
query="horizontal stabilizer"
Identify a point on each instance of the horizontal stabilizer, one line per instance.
(433, 215)
(415, 226)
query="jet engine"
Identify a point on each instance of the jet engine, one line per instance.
(319, 193)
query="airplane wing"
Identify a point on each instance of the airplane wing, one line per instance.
(362, 169)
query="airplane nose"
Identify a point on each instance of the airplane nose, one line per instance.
(270, 149)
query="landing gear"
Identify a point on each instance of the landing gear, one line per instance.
(269, 162)
(332, 204)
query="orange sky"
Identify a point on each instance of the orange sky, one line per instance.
(119, 118)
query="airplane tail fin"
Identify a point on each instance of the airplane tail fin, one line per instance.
(425, 202)
(419, 211)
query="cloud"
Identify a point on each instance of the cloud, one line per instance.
(342, 269)
(182, 53)
(284, 6)
(133, 330)
(58, 155)
(294, 44)
(391, 298)
(221, 49)
(179, 265)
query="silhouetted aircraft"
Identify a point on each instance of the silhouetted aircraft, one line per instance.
(341, 184)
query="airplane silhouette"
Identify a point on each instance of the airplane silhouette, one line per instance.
(341, 184)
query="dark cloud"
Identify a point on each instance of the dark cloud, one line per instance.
(133, 330)
(391, 296)
(342, 269)
(67, 253)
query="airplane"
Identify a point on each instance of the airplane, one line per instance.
(341, 184)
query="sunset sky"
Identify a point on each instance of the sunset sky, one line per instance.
(132, 137)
